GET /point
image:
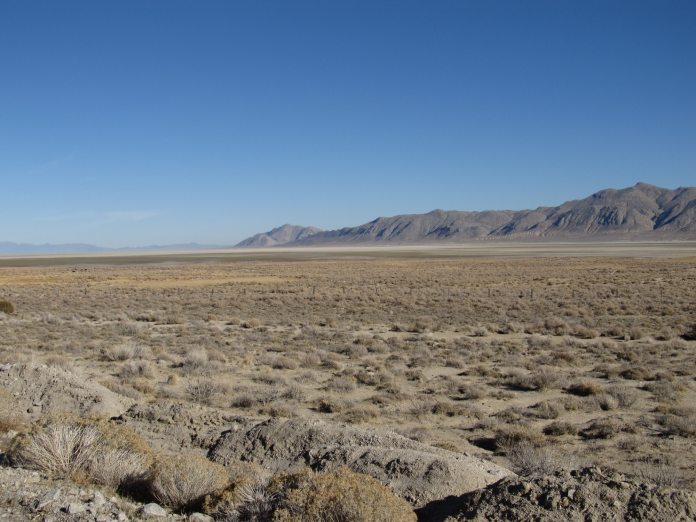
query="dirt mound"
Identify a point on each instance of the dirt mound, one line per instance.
(174, 427)
(415, 471)
(45, 390)
(582, 495)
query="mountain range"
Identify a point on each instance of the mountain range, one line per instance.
(640, 212)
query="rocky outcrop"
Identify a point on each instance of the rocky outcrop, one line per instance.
(575, 496)
(415, 471)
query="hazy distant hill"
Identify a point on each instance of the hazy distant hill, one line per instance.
(639, 212)
(7, 247)
(279, 236)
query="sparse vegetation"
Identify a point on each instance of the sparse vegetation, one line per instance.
(596, 364)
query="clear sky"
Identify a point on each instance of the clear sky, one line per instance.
(165, 121)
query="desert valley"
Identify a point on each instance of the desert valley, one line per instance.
(475, 382)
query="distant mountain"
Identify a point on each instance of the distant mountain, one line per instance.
(7, 247)
(177, 246)
(642, 211)
(279, 236)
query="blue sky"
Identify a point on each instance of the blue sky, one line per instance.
(166, 121)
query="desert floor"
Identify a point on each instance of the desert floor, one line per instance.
(583, 350)
(528, 355)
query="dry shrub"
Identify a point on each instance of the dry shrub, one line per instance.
(244, 400)
(679, 421)
(507, 438)
(601, 429)
(11, 418)
(663, 391)
(471, 392)
(61, 450)
(339, 496)
(583, 332)
(584, 389)
(255, 501)
(127, 351)
(624, 395)
(637, 373)
(182, 481)
(448, 409)
(479, 331)
(421, 325)
(558, 428)
(332, 405)
(606, 402)
(123, 459)
(7, 307)
(528, 459)
(664, 475)
(202, 390)
(359, 414)
(341, 384)
(546, 410)
(635, 333)
(196, 360)
(246, 498)
(555, 326)
(105, 453)
(117, 467)
(689, 333)
(539, 380)
(136, 369)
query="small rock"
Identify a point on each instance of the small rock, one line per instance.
(98, 499)
(153, 510)
(199, 517)
(49, 498)
(76, 507)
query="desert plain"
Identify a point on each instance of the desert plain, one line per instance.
(535, 359)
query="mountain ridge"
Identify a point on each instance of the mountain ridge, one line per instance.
(278, 236)
(642, 211)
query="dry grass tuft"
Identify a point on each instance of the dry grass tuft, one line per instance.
(7, 307)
